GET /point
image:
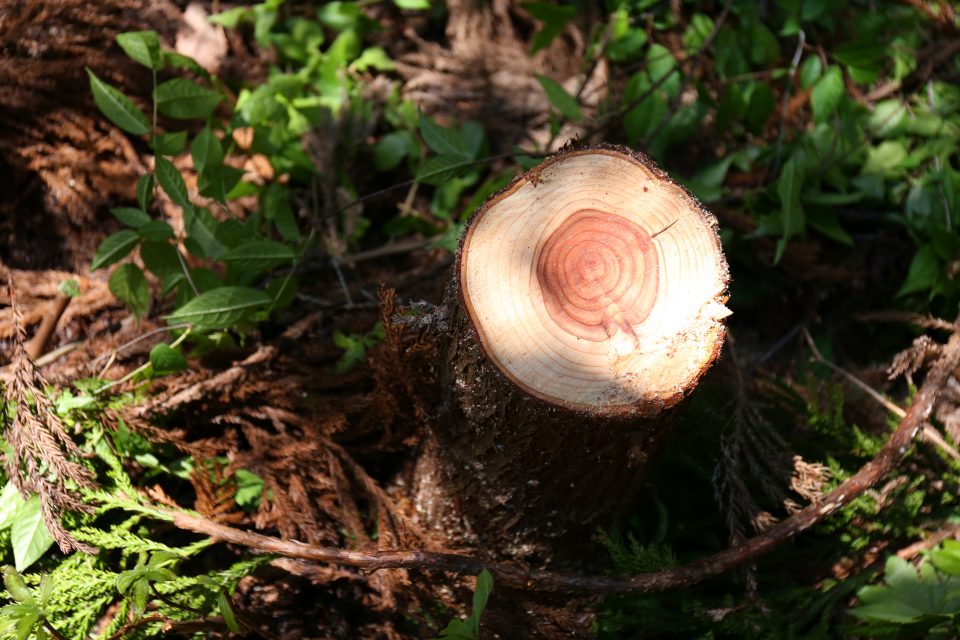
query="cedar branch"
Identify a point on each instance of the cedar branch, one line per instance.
(539, 580)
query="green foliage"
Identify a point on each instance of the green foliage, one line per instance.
(914, 602)
(469, 629)
(355, 346)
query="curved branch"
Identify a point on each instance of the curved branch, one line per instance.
(538, 580)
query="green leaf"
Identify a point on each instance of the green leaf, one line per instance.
(218, 182)
(442, 168)
(220, 308)
(145, 190)
(259, 255)
(283, 291)
(696, 34)
(155, 230)
(888, 118)
(249, 489)
(183, 99)
(223, 603)
(172, 182)
(554, 18)
(160, 258)
(810, 71)
(764, 46)
(391, 149)
(825, 221)
(887, 158)
(118, 108)
(129, 285)
(826, 94)
(114, 248)
(25, 626)
(165, 359)
(373, 58)
(69, 288)
(412, 5)
(442, 140)
(201, 228)
(206, 150)
(908, 594)
(481, 594)
(924, 271)
(28, 534)
(560, 99)
(945, 558)
(130, 216)
(759, 107)
(169, 144)
(142, 47)
(15, 584)
(789, 187)
(10, 501)
(231, 17)
(180, 61)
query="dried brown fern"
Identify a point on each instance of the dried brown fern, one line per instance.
(43, 454)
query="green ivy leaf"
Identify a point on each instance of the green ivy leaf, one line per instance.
(220, 308)
(142, 47)
(172, 182)
(259, 255)
(184, 99)
(129, 285)
(145, 190)
(28, 534)
(165, 359)
(114, 248)
(118, 108)
(560, 99)
(130, 216)
(826, 94)
(206, 150)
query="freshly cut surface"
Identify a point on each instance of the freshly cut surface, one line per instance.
(597, 284)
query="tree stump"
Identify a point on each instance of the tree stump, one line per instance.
(586, 303)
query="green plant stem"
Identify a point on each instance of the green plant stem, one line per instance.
(143, 367)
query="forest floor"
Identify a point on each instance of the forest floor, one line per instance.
(300, 444)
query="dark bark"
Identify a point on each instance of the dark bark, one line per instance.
(518, 477)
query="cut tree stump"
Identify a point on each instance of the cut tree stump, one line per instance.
(587, 302)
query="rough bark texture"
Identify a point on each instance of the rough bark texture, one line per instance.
(505, 469)
(515, 470)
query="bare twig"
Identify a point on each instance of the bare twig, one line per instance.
(925, 322)
(38, 345)
(930, 434)
(539, 580)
